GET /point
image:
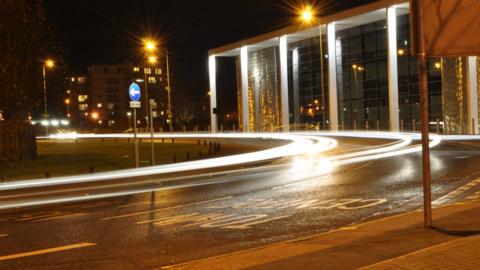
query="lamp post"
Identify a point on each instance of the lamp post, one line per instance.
(307, 16)
(49, 63)
(67, 102)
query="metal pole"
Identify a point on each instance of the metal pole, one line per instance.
(169, 94)
(135, 142)
(322, 82)
(151, 135)
(45, 113)
(422, 73)
(147, 116)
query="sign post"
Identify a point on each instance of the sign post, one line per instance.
(134, 93)
(450, 29)
(152, 106)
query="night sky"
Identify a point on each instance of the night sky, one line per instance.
(108, 32)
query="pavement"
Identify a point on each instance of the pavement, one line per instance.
(396, 242)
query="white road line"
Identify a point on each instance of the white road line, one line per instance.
(456, 192)
(45, 251)
(61, 217)
(164, 209)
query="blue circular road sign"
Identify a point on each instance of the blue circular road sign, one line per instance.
(134, 92)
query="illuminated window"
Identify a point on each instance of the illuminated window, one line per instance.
(73, 79)
(110, 105)
(147, 70)
(152, 80)
(158, 71)
(136, 69)
(99, 105)
(81, 80)
(82, 98)
(82, 107)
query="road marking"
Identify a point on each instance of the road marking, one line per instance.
(29, 217)
(45, 251)
(165, 209)
(312, 204)
(452, 195)
(214, 220)
(3, 235)
(62, 217)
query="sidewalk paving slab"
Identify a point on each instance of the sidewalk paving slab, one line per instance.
(397, 242)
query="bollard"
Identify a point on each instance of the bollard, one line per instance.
(366, 125)
(196, 128)
(200, 154)
(218, 147)
(140, 139)
(204, 142)
(2, 178)
(91, 169)
(413, 124)
(128, 139)
(188, 155)
(174, 158)
(234, 127)
(221, 128)
(103, 139)
(163, 140)
(378, 125)
(355, 125)
(173, 140)
(210, 145)
(401, 125)
(115, 139)
(343, 126)
(184, 129)
(47, 174)
(198, 142)
(473, 127)
(438, 126)
(209, 151)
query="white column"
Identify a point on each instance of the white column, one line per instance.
(244, 79)
(472, 94)
(392, 70)
(212, 71)
(284, 83)
(332, 78)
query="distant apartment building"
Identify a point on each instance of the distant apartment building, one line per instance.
(100, 99)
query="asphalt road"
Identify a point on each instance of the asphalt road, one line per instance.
(157, 229)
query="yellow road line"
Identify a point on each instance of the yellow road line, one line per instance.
(45, 251)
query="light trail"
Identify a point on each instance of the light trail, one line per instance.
(302, 145)
(299, 145)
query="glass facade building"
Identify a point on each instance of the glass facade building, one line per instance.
(370, 79)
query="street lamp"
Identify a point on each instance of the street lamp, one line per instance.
(307, 16)
(48, 63)
(67, 102)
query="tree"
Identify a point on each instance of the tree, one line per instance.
(25, 41)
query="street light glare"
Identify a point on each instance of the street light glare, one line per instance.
(307, 14)
(150, 45)
(152, 59)
(49, 63)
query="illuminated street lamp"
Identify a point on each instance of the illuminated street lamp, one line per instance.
(48, 63)
(67, 102)
(307, 16)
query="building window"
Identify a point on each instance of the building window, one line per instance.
(99, 105)
(82, 98)
(81, 80)
(110, 105)
(136, 69)
(82, 107)
(152, 80)
(147, 70)
(158, 71)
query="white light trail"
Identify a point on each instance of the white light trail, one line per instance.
(299, 145)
